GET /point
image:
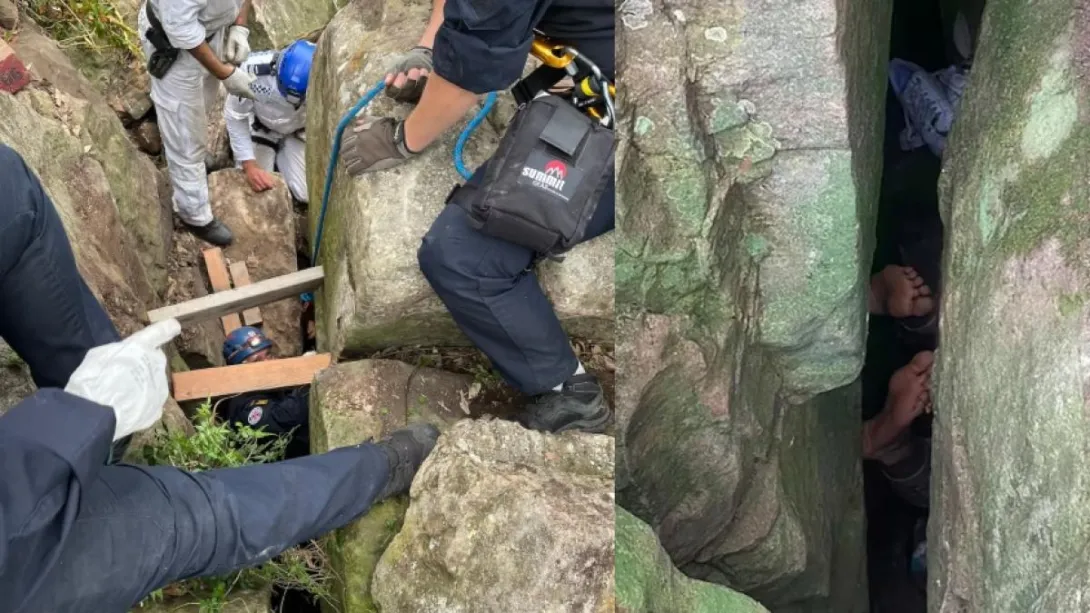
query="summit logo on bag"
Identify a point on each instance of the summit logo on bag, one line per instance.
(550, 175)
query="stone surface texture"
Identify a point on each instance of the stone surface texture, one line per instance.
(15, 381)
(352, 402)
(105, 192)
(505, 520)
(374, 294)
(274, 24)
(648, 582)
(1010, 491)
(749, 169)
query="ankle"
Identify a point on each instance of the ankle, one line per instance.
(579, 370)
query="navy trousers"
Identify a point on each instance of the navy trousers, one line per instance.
(140, 528)
(494, 296)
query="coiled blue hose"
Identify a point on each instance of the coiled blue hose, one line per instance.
(335, 154)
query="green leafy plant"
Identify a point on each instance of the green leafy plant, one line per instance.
(94, 26)
(220, 445)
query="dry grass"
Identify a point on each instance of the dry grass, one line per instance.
(93, 26)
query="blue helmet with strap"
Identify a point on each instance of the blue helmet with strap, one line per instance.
(293, 70)
(242, 343)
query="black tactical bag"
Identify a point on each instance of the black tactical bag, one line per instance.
(543, 184)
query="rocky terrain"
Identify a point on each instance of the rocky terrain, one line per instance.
(88, 129)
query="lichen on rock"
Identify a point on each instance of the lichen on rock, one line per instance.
(1010, 383)
(748, 170)
(505, 520)
(353, 402)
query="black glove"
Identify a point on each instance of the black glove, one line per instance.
(418, 58)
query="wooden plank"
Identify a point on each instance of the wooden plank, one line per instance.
(217, 274)
(267, 375)
(240, 275)
(14, 75)
(241, 298)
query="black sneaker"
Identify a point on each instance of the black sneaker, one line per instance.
(579, 405)
(215, 232)
(406, 449)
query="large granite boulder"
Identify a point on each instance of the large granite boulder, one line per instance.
(647, 581)
(98, 182)
(1009, 494)
(276, 23)
(264, 228)
(374, 295)
(505, 520)
(350, 403)
(82, 109)
(749, 170)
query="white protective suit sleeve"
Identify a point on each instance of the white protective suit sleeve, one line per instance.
(237, 113)
(180, 19)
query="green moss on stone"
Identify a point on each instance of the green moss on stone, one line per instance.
(647, 582)
(355, 551)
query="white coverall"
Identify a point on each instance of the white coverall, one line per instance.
(283, 127)
(182, 96)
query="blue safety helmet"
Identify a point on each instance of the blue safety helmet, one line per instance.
(242, 343)
(293, 70)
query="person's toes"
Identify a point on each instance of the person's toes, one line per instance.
(921, 362)
(922, 305)
(899, 291)
(921, 401)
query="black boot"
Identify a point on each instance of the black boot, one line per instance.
(579, 405)
(406, 450)
(215, 232)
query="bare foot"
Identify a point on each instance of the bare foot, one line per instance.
(909, 396)
(899, 291)
(909, 390)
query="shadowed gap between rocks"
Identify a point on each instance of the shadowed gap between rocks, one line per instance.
(909, 233)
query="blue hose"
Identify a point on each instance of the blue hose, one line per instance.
(463, 138)
(334, 155)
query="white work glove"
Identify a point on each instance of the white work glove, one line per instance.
(129, 376)
(238, 83)
(237, 47)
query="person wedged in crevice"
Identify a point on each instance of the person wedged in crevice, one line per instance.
(488, 284)
(926, 85)
(282, 412)
(78, 535)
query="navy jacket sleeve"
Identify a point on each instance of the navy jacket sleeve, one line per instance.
(482, 45)
(52, 446)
